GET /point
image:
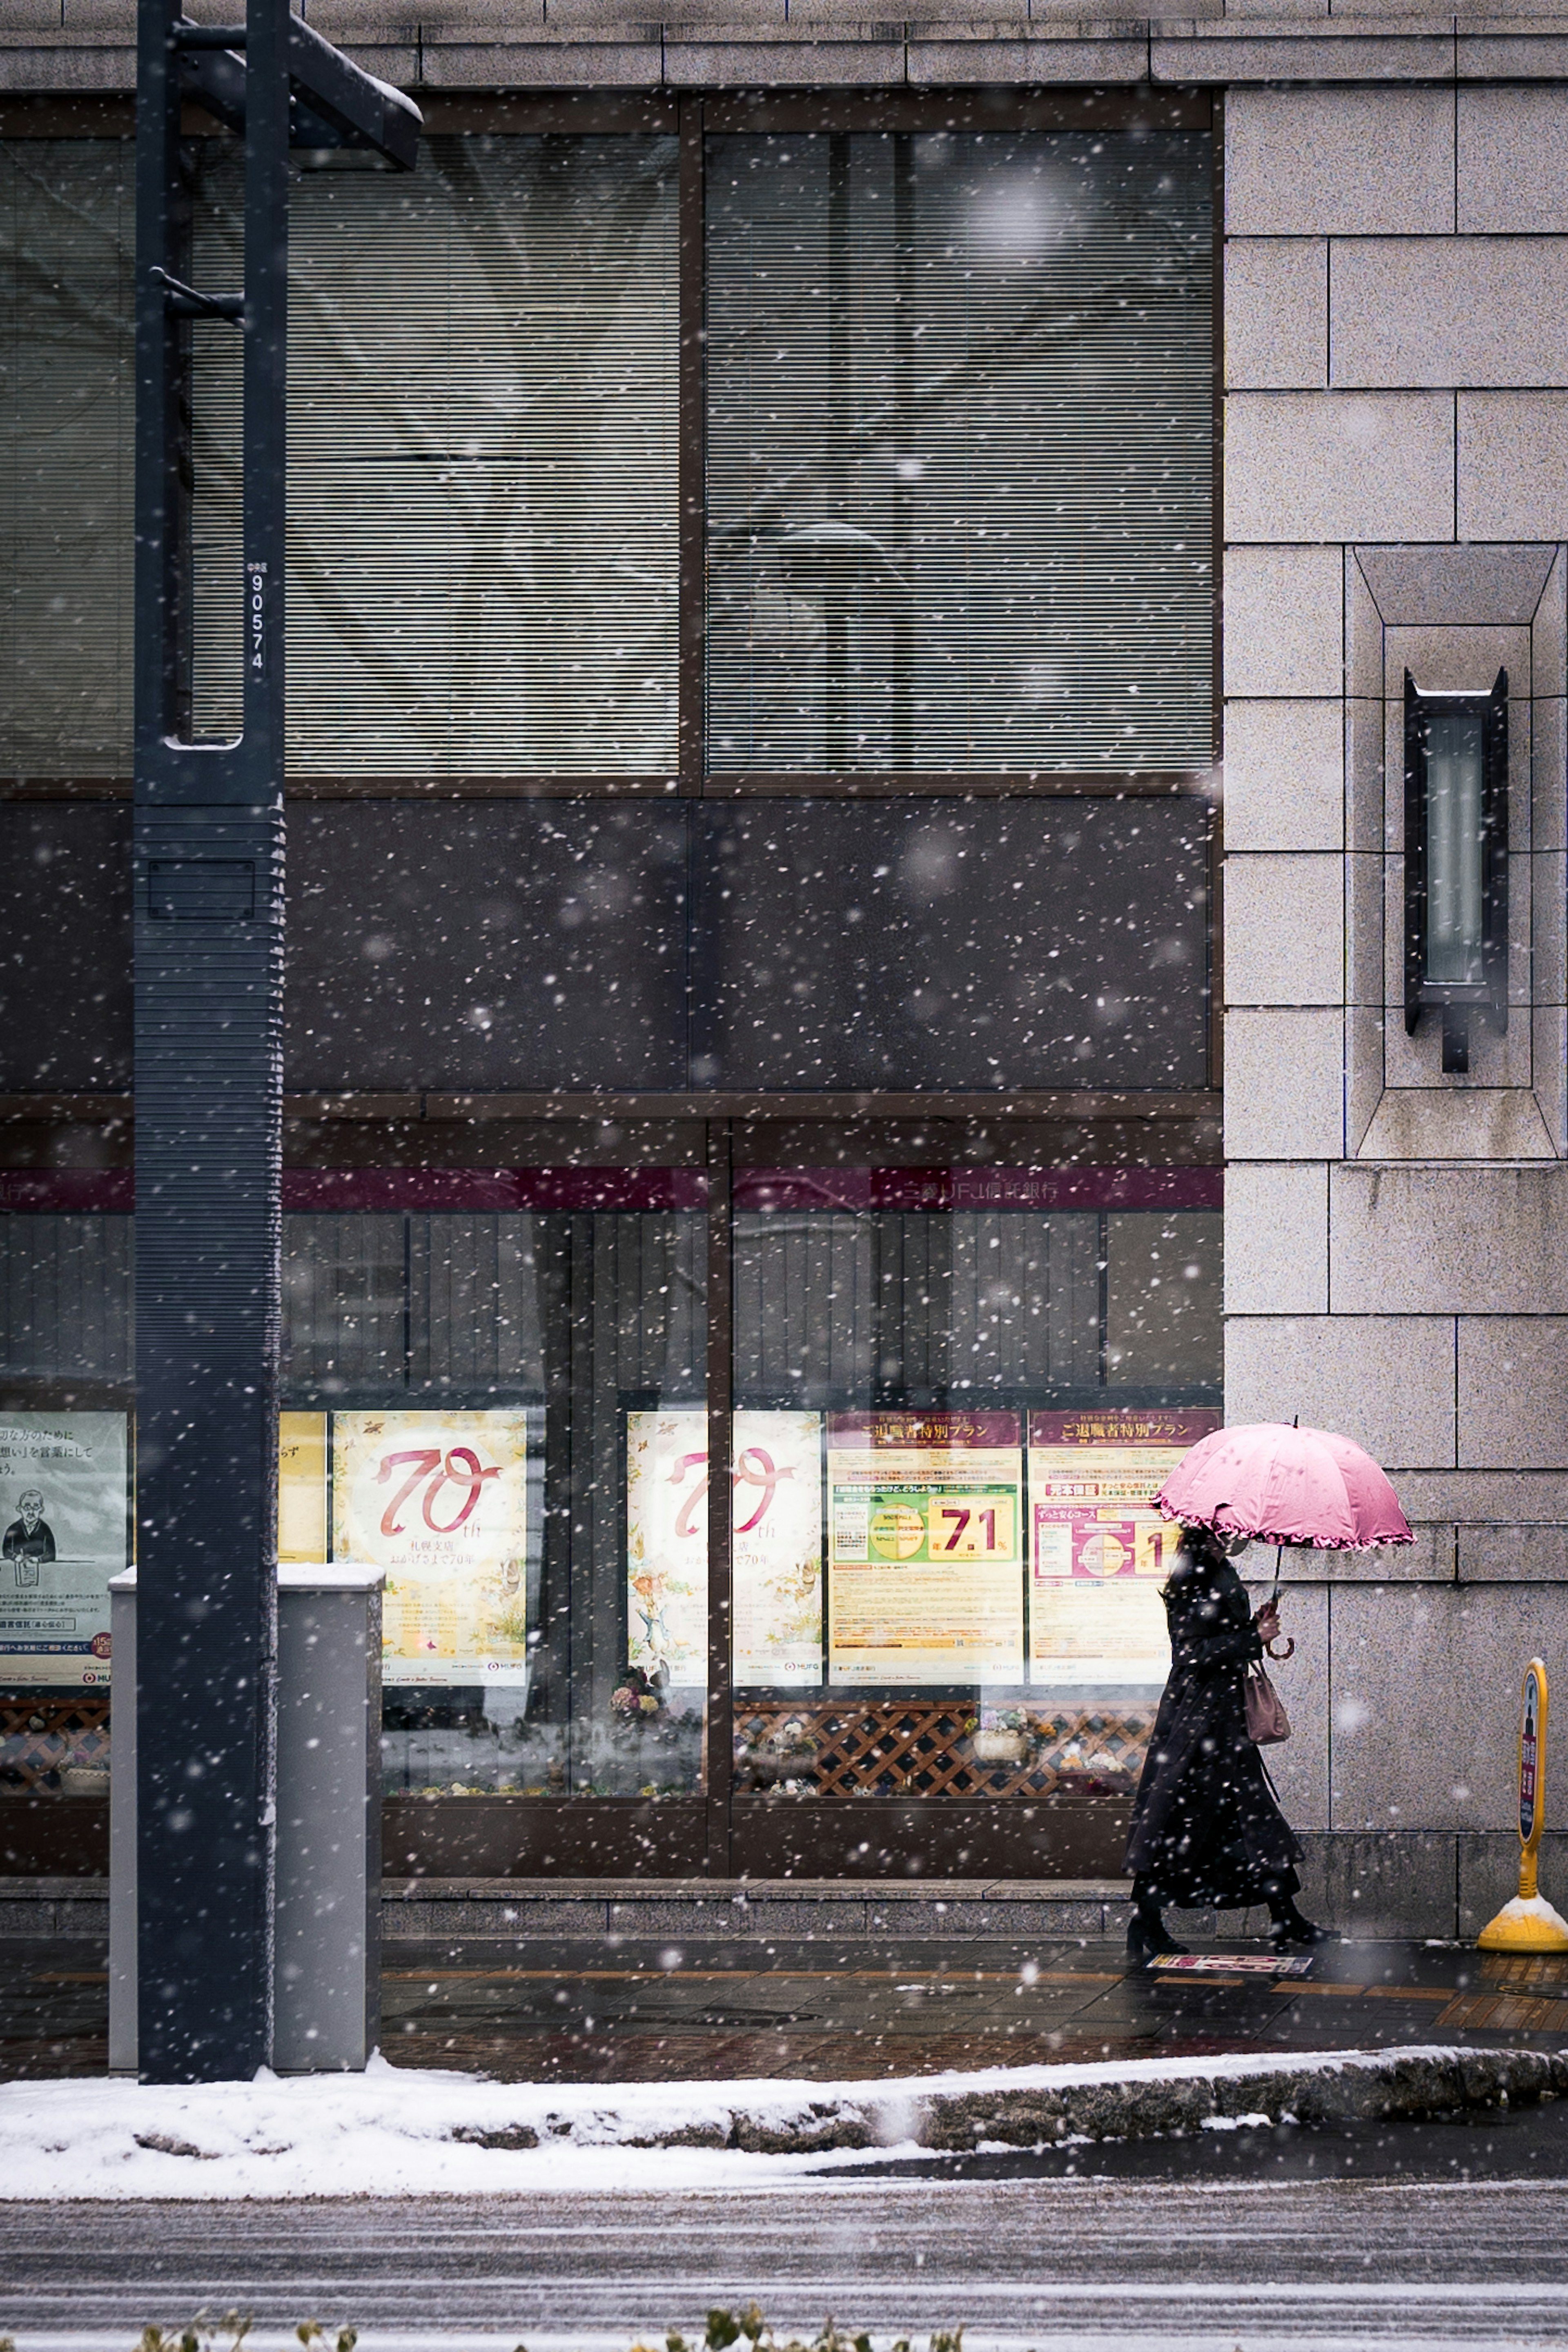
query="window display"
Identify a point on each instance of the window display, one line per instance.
(479, 1448)
(996, 1413)
(955, 1390)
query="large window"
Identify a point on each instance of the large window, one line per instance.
(630, 456)
(66, 239)
(751, 672)
(951, 1391)
(960, 446)
(482, 460)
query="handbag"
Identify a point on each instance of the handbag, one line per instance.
(1267, 1721)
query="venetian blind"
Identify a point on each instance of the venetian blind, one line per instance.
(959, 452)
(65, 237)
(481, 457)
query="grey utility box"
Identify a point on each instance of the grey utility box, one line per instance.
(327, 1996)
(327, 1934)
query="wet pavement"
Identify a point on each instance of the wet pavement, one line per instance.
(1324, 2265)
(848, 2010)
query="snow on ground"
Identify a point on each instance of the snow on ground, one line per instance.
(389, 2132)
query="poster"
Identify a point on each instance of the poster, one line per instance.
(776, 1546)
(439, 1501)
(1100, 1551)
(666, 1543)
(776, 1550)
(925, 1548)
(62, 1537)
(303, 1486)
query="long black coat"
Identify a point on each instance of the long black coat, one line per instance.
(1206, 1827)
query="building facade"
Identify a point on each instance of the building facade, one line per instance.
(852, 595)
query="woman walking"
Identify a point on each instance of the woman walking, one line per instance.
(1207, 1831)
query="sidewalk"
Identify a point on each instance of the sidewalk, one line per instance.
(597, 2011)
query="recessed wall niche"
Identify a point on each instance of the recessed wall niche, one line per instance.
(1453, 617)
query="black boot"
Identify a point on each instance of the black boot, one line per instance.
(1288, 1926)
(1146, 1931)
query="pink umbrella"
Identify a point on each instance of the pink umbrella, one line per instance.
(1285, 1486)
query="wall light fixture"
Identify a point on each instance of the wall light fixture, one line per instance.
(1456, 862)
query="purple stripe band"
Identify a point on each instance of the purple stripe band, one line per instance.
(112, 1190)
(979, 1188)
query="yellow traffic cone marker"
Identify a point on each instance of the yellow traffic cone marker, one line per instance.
(1529, 1924)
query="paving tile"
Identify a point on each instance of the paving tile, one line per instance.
(799, 2018)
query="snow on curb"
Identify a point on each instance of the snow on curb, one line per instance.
(394, 2131)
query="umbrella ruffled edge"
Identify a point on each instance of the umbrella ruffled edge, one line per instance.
(1289, 1543)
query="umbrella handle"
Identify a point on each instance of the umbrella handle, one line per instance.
(1280, 1655)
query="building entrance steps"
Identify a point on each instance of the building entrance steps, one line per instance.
(750, 1909)
(759, 1910)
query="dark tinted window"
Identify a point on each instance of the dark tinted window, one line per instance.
(65, 903)
(494, 946)
(899, 944)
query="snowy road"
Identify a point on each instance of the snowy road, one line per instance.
(1024, 2263)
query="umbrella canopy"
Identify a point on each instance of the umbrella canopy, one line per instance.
(1285, 1486)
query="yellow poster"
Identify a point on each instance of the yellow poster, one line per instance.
(776, 1546)
(925, 1548)
(1100, 1551)
(303, 1486)
(439, 1500)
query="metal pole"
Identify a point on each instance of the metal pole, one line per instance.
(208, 994)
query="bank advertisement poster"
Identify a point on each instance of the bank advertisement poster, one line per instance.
(1098, 1549)
(925, 1548)
(775, 1540)
(439, 1501)
(776, 1550)
(62, 1537)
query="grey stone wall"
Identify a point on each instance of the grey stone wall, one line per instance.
(1396, 491)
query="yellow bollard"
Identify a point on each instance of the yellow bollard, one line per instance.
(1529, 1924)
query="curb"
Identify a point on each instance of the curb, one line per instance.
(1405, 2088)
(1408, 2085)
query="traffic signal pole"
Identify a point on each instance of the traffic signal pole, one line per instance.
(208, 885)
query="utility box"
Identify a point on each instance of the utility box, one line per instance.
(327, 1939)
(123, 1980)
(327, 1948)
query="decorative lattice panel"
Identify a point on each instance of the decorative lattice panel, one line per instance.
(924, 1749)
(40, 1736)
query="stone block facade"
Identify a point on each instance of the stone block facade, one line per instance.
(1395, 497)
(1394, 502)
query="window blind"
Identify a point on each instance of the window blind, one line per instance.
(65, 238)
(959, 452)
(481, 457)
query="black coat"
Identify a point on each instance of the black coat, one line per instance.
(1206, 1825)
